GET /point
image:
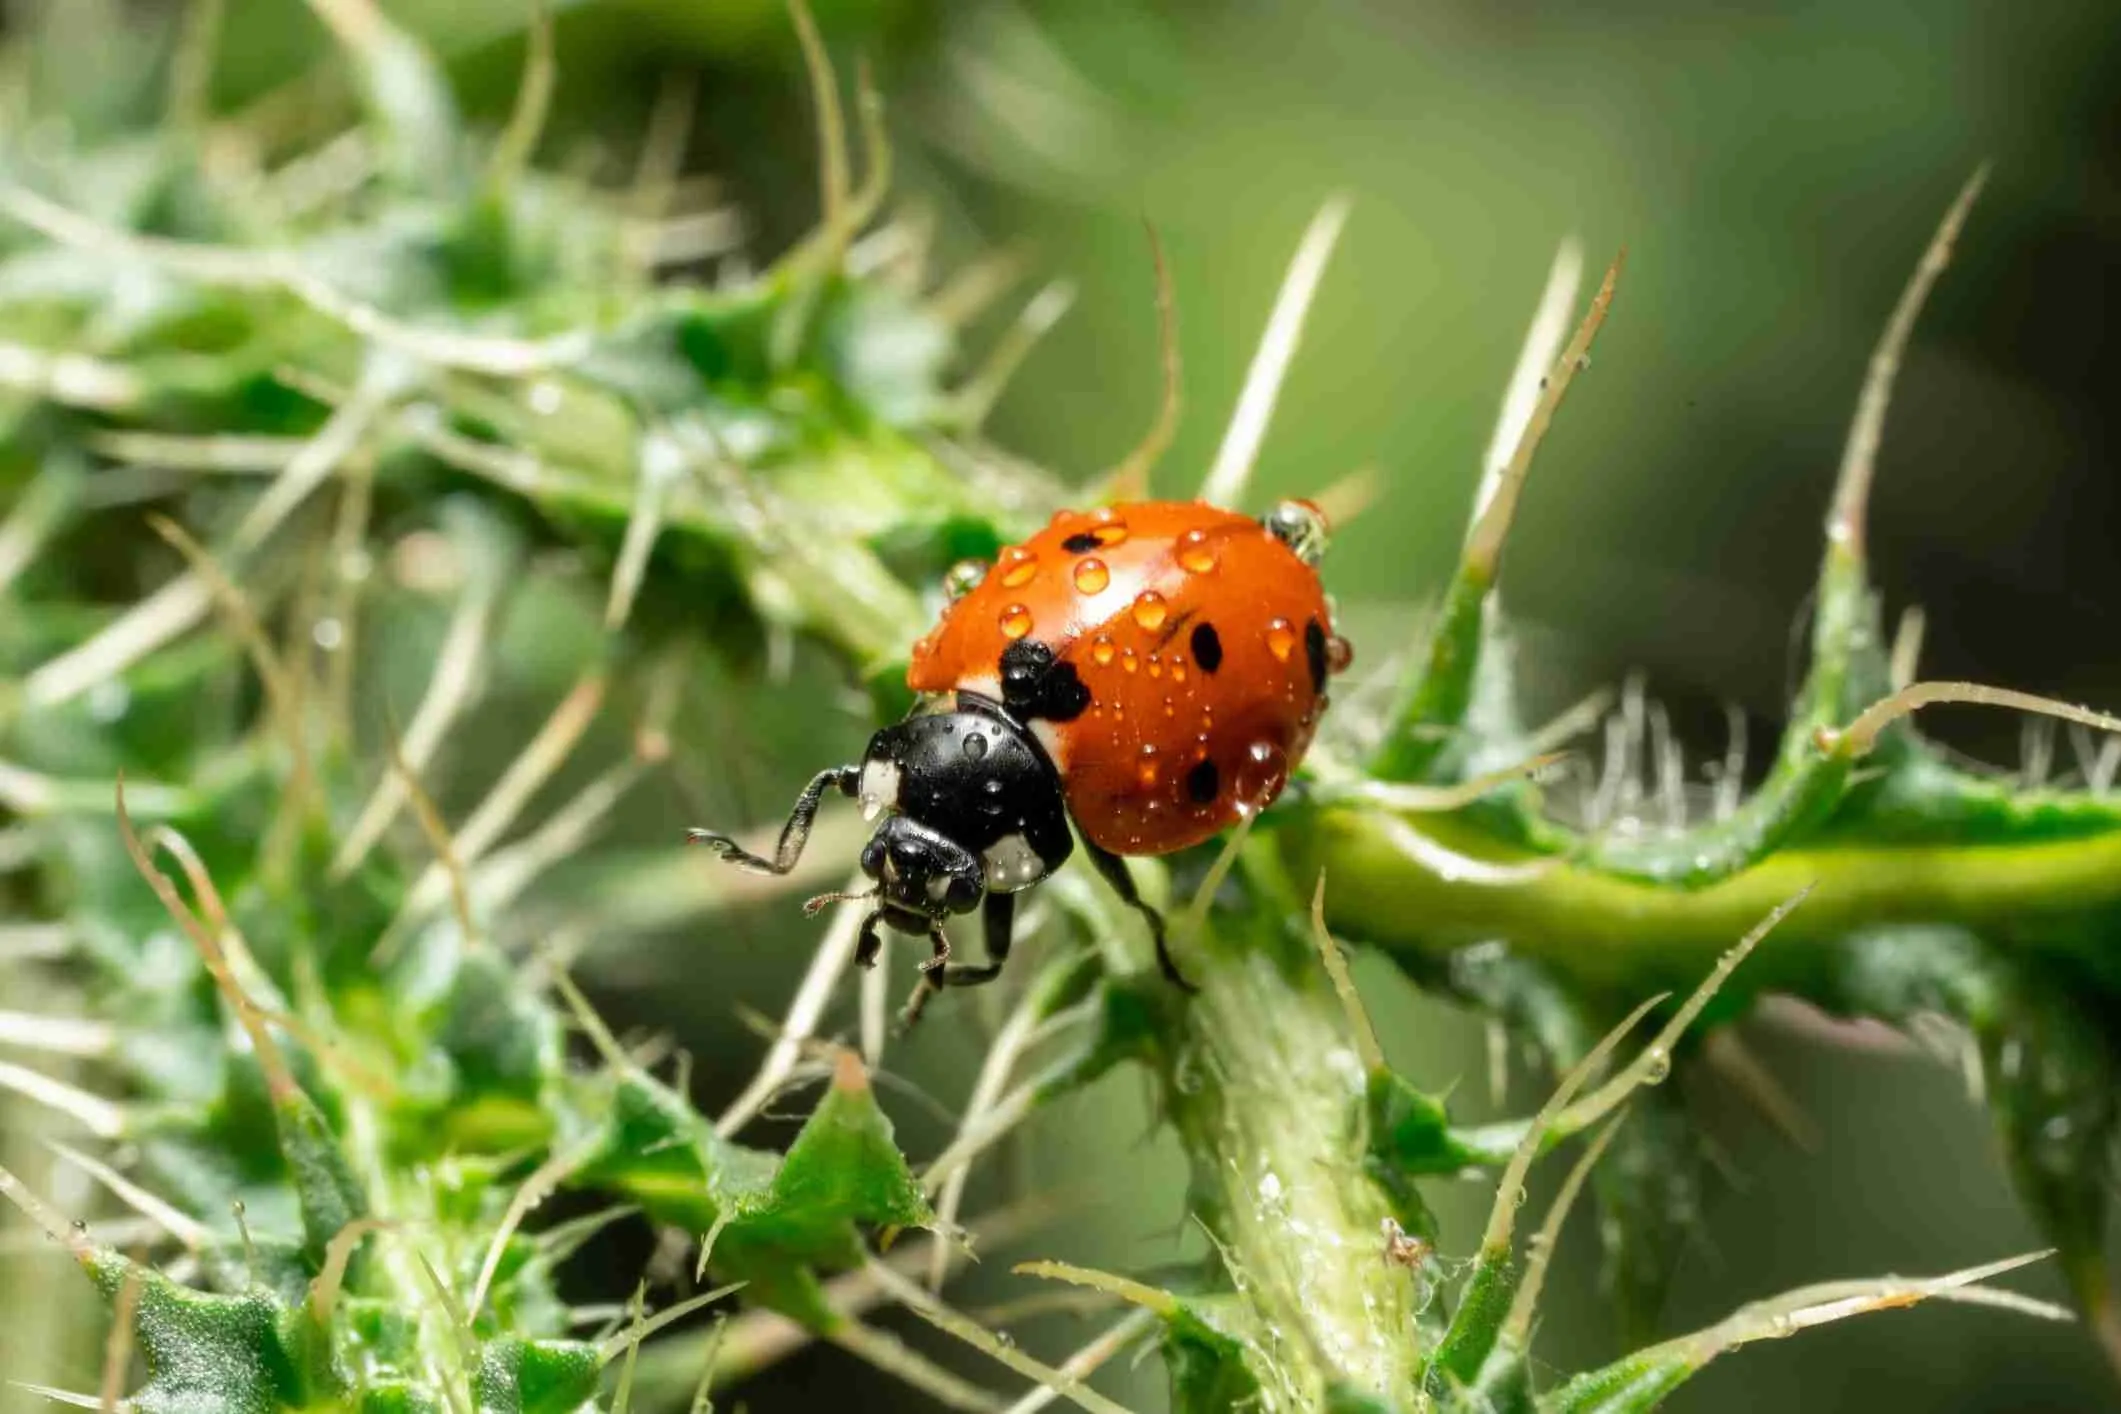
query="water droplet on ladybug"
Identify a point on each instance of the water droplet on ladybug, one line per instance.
(1091, 576)
(975, 746)
(1150, 771)
(1281, 639)
(1262, 774)
(1340, 654)
(1195, 554)
(963, 577)
(1156, 666)
(1127, 659)
(1178, 670)
(1101, 651)
(1015, 622)
(1019, 567)
(1150, 610)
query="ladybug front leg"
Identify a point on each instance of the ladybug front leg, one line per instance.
(935, 975)
(794, 835)
(1115, 871)
(870, 943)
(998, 921)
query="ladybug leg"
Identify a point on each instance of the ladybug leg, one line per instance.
(870, 942)
(998, 921)
(933, 969)
(935, 975)
(794, 835)
(1115, 872)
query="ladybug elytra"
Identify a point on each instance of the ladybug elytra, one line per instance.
(1152, 671)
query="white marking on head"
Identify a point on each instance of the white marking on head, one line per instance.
(1011, 864)
(879, 787)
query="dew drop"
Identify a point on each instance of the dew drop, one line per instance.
(963, 577)
(1156, 666)
(1150, 771)
(1178, 670)
(1264, 771)
(1150, 610)
(1340, 654)
(974, 746)
(1281, 639)
(1195, 554)
(1657, 1065)
(1019, 566)
(1091, 576)
(1128, 661)
(1016, 622)
(1101, 651)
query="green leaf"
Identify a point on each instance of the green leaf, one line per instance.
(517, 1376)
(1208, 1369)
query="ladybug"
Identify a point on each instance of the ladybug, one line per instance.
(1150, 671)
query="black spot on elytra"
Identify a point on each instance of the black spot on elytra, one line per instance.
(1204, 783)
(1082, 542)
(1315, 653)
(1207, 647)
(1034, 684)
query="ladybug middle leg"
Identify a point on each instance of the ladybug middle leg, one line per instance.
(1115, 873)
(997, 921)
(794, 835)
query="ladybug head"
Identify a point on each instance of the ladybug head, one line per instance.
(922, 877)
(1301, 526)
(966, 803)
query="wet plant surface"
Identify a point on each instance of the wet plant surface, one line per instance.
(328, 1059)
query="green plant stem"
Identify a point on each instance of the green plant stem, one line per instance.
(1606, 931)
(1264, 1084)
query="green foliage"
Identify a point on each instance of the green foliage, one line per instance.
(345, 1073)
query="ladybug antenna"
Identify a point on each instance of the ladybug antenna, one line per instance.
(1129, 481)
(817, 903)
(1239, 453)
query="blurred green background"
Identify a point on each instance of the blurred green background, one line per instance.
(1773, 171)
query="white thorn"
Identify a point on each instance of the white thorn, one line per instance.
(1542, 345)
(1239, 453)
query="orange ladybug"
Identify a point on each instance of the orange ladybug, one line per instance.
(1151, 671)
